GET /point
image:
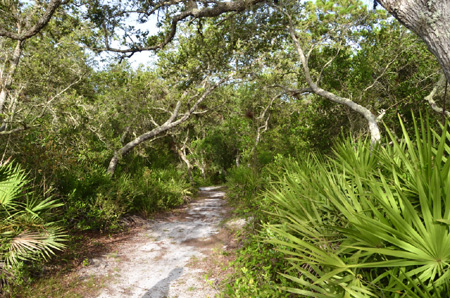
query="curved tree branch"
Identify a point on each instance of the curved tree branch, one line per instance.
(430, 97)
(366, 113)
(37, 27)
(206, 12)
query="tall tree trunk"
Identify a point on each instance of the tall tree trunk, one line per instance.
(430, 20)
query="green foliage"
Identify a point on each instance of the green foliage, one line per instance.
(27, 228)
(161, 189)
(74, 117)
(98, 201)
(368, 222)
(243, 183)
(257, 267)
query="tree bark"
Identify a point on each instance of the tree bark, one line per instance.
(182, 153)
(192, 11)
(202, 167)
(7, 80)
(37, 27)
(430, 20)
(430, 97)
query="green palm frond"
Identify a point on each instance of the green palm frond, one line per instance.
(12, 181)
(370, 221)
(30, 244)
(27, 231)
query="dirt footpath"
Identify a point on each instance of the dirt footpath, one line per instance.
(160, 260)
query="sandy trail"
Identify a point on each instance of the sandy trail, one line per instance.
(154, 262)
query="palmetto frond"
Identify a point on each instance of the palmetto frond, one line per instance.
(26, 230)
(27, 245)
(372, 222)
(12, 181)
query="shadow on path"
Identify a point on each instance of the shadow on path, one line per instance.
(161, 289)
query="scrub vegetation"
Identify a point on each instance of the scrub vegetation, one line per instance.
(326, 120)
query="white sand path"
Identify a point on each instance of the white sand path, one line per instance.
(153, 263)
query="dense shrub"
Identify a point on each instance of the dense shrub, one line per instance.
(256, 269)
(98, 201)
(245, 182)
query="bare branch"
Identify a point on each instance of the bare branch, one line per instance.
(124, 135)
(47, 104)
(263, 114)
(328, 63)
(24, 127)
(386, 68)
(200, 112)
(262, 129)
(174, 114)
(38, 26)
(194, 12)
(294, 92)
(152, 121)
(168, 125)
(430, 97)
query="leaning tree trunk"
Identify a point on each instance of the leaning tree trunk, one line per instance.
(8, 77)
(141, 139)
(172, 122)
(430, 20)
(182, 154)
(363, 111)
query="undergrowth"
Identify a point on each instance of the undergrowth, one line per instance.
(257, 264)
(365, 222)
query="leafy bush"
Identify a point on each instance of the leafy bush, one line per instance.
(161, 189)
(257, 267)
(98, 201)
(243, 183)
(27, 229)
(369, 222)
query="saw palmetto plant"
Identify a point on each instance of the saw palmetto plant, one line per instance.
(369, 222)
(27, 231)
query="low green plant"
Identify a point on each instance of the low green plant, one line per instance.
(243, 183)
(257, 264)
(28, 231)
(256, 270)
(369, 222)
(98, 201)
(162, 189)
